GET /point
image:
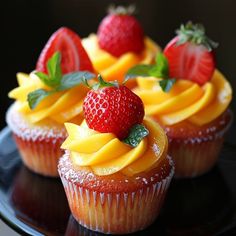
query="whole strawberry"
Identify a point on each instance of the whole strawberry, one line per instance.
(190, 54)
(119, 32)
(112, 108)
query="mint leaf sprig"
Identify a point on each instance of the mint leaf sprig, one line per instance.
(54, 71)
(35, 97)
(137, 133)
(56, 81)
(159, 70)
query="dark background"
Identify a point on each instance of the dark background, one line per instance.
(26, 25)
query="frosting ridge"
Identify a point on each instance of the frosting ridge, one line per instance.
(61, 106)
(186, 100)
(113, 68)
(105, 154)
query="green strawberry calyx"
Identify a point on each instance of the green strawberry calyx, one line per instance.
(196, 34)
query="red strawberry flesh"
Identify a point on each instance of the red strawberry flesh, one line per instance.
(118, 34)
(113, 110)
(189, 61)
(68, 43)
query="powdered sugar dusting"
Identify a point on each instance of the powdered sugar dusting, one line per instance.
(46, 130)
(86, 178)
(111, 213)
(211, 132)
(132, 207)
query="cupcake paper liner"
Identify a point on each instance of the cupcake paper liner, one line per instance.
(116, 212)
(40, 156)
(38, 144)
(196, 156)
(192, 160)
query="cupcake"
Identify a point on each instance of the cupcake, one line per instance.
(115, 169)
(119, 44)
(48, 97)
(189, 97)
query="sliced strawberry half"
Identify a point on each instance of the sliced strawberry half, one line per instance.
(74, 56)
(190, 54)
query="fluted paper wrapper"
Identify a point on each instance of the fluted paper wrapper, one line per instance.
(116, 213)
(38, 144)
(40, 156)
(196, 156)
(193, 160)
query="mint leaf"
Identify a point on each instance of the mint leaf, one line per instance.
(67, 81)
(159, 70)
(54, 68)
(54, 71)
(35, 97)
(137, 133)
(166, 84)
(139, 70)
(43, 77)
(74, 79)
(162, 65)
(46, 79)
(55, 80)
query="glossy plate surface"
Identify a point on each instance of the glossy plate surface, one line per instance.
(35, 205)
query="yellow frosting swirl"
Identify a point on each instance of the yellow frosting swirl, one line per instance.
(61, 106)
(113, 68)
(186, 100)
(106, 154)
